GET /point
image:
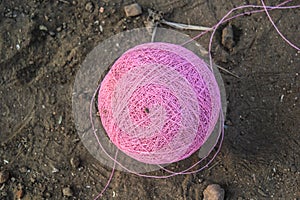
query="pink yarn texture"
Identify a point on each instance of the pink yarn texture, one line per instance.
(159, 103)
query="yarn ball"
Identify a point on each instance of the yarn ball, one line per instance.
(159, 103)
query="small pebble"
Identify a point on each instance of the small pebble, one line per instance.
(67, 191)
(47, 195)
(228, 122)
(75, 162)
(60, 119)
(32, 179)
(23, 169)
(4, 176)
(133, 10)
(55, 170)
(19, 193)
(101, 10)
(43, 28)
(52, 33)
(213, 192)
(89, 6)
(228, 37)
(58, 29)
(101, 28)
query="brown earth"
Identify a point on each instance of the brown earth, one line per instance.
(43, 42)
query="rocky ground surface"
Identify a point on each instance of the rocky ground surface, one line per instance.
(43, 43)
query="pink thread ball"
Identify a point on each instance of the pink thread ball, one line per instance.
(159, 103)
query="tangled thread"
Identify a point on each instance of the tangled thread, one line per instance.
(159, 103)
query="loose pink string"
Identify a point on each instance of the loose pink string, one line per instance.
(110, 178)
(272, 22)
(248, 6)
(225, 19)
(219, 140)
(222, 21)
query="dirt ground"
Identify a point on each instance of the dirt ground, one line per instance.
(42, 45)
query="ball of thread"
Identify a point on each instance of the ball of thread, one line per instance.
(159, 103)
